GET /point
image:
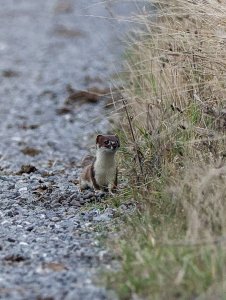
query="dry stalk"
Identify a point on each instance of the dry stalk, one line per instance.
(139, 154)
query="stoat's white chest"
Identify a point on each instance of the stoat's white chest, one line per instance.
(104, 168)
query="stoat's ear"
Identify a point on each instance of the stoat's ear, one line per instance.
(98, 138)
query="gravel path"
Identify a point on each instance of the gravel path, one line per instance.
(49, 49)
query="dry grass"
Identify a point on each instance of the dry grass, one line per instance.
(174, 136)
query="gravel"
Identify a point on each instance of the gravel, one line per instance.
(49, 248)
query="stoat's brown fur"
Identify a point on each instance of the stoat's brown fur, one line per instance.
(101, 173)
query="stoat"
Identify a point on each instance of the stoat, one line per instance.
(101, 173)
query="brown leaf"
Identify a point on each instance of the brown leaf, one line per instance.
(26, 169)
(82, 96)
(93, 94)
(30, 151)
(54, 266)
(14, 258)
(68, 32)
(63, 7)
(9, 73)
(26, 126)
(63, 110)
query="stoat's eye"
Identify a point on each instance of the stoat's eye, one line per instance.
(106, 142)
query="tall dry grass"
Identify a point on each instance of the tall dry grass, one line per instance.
(177, 74)
(174, 155)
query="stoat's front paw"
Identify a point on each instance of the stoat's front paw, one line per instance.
(112, 189)
(112, 192)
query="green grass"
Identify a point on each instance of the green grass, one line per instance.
(156, 260)
(167, 272)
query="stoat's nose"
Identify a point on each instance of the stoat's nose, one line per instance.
(113, 145)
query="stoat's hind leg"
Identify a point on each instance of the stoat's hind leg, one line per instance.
(83, 184)
(84, 180)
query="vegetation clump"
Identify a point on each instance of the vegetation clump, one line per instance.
(173, 131)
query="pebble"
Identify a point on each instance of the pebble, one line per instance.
(22, 190)
(102, 218)
(30, 228)
(11, 240)
(75, 203)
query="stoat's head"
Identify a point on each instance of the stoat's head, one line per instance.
(107, 143)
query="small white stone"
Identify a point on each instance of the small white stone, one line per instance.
(22, 190)
(23, 244)
(4, 222)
